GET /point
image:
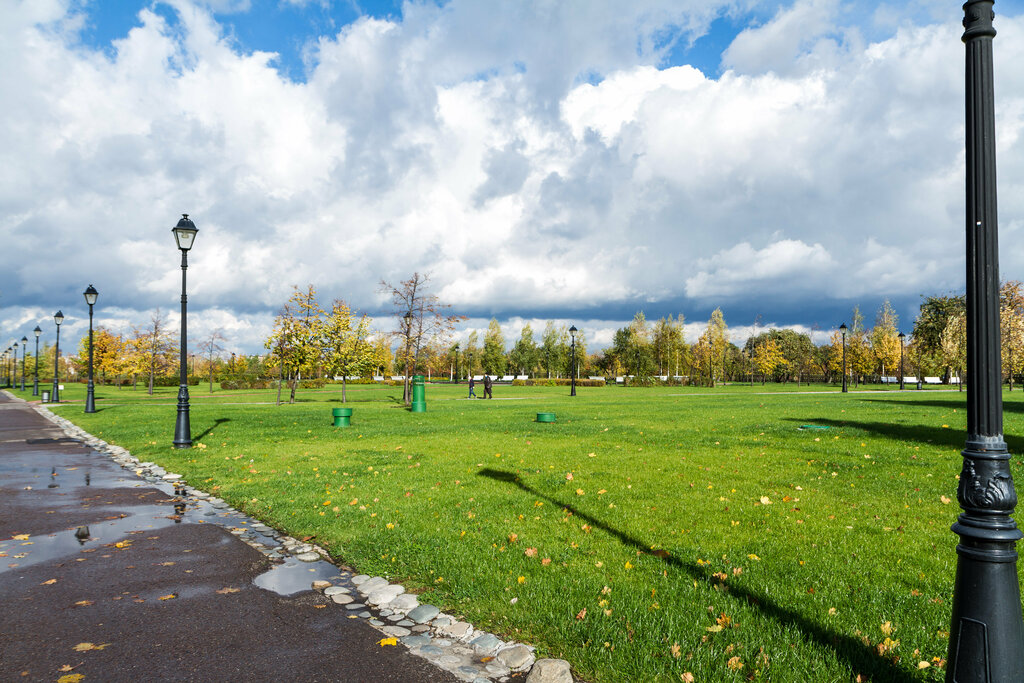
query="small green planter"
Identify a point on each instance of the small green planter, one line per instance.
(419, 394)
(342, 417)
(545, 417)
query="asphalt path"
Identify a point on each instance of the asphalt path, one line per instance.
(150, 594)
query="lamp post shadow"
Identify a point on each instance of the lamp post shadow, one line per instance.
(861, 659)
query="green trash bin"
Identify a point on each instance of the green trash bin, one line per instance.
(545, 417)
(342, 417)
(419, 391)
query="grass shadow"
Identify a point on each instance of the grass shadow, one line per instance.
(954, 439)
(862, 659)
(1013, 407)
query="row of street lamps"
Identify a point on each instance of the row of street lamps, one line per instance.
(184, 234)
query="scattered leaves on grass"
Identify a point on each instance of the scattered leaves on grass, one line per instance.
(686, 677)
(676, 651)
(521, 579)
(582, 614)
(735, 664)
(530, 552)
(945, 500)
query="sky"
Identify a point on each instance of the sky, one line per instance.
(567, 160)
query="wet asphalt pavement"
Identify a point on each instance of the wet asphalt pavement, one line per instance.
(152, 595)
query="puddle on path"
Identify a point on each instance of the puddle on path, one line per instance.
(49, 474)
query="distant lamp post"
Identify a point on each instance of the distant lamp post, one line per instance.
(408, 348)
(843, 328)
(58, 318)
(456, 363)
(24, 341)
(902, 337)
(35, 380)
(572, 367)
(986, 636)
(184, 234)
(14, 368)
(90, 295)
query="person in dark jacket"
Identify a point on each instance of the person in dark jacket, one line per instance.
(487, 386)
(472, 383)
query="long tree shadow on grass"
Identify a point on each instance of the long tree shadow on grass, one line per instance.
(862, 659)
(936, 436)
(1008, 407)
(216, 423)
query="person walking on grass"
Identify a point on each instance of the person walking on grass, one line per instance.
(472, 383)
(487, 386)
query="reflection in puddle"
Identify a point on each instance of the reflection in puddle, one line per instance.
(25, 471)
(294, 576)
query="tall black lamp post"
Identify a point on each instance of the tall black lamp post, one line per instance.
(986, 638)
(14, 368)
(184, 234)
(35, 380)
(58, 318)
(7, 367)
(842, 328)
(90, 295)
(572, 367)
(902, 337)
(24, 341)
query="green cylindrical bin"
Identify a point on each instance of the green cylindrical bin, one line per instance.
(342, 417)
(419, 394)
(545, 417)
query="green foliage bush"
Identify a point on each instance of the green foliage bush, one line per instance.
(229, 384)
(557, 382)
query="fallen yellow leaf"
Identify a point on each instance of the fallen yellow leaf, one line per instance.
(169, 596)
(70, 678)
(387, 641)
(225, 591)
(48, 583)
(85, 647)
(714, 629)
(21, 537)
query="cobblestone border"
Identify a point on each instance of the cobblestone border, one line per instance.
(453, 645)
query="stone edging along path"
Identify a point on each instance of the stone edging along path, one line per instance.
(453, 645)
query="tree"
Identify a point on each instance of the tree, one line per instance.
(107, 350)
(493, 358)
(953, 344)
(471, 354)
(1011, 327)
(667, 343)
(154, 348)
(768, 356)
(712, 347)
(346, 348)
(210, 348)
(421, 317)
(550, 349)
(932, 320)
(295, 340)
(884, 338)
(525, 354)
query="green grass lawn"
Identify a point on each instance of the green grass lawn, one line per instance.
(645, 534)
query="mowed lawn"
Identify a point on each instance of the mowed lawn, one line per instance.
(645, 534)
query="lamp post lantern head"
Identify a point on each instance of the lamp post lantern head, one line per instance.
(902, 337)
(24, 340)
(90, 294)
(843, 328)
(573, 331)
(58, 318)
(185, 232)
(37, 331)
